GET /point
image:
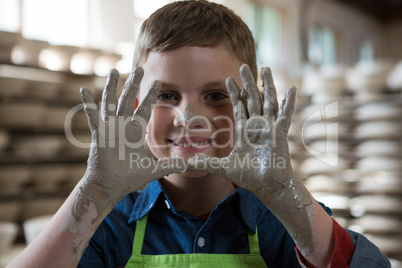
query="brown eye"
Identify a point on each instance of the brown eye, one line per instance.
(216, 96)
(166, 97)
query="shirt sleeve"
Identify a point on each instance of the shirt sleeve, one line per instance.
(343, 248)
(366, 254)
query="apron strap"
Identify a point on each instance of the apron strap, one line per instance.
(139, 235)
(253, 242)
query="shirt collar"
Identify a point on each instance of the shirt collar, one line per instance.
(249, 204)
(146, 200)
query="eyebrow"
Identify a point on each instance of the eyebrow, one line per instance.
(214, 84)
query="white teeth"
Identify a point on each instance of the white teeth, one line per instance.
(194, 144)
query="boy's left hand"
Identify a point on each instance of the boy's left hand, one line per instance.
(260, 160)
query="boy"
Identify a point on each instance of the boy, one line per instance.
(213, 196)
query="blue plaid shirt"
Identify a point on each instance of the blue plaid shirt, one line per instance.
(171, 231)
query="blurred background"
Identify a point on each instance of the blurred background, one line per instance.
(345, 57)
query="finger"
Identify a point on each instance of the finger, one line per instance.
(127, 98)
(270, 97)
(109, 99)
(287, 108)
(144, 110)
(90, 109)
(233, 90)
(239, 109)
(253, 94)
(234, 94)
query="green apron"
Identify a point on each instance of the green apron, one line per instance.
(192, 260)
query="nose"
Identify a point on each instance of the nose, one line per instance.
(190, 116)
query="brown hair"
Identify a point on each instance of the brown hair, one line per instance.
(195, 23)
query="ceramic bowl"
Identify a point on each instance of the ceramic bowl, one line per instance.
(32, 227)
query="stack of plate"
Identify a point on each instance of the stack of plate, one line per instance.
(57, 58)
(11, 211)
(334, 192)
(4, 140)
(21, 115)
(13, 178)
(11, 86)
(379, 134)
(55, 118)
(26, 52)
(47, 178)
(41, 207)
(377, 205)
(394, 79)
(75, 173)
(7, 42)
(368, 80)
(326, 132)
(78, 145)
(325, 128)
(325, 84)
(42, 147)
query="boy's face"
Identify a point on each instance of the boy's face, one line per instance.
(193, 112)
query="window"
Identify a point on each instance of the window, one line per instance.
(366, 52)
(144, 8)
(322, 48)
(9, 15)
(58, 22)
(265, 23)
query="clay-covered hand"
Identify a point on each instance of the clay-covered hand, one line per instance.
(260, 161)
(118, 137)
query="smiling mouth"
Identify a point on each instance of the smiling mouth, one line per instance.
(193, 144)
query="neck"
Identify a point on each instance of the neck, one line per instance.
(196, 195)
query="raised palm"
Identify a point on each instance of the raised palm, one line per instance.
(116, 160)
(260, 160)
